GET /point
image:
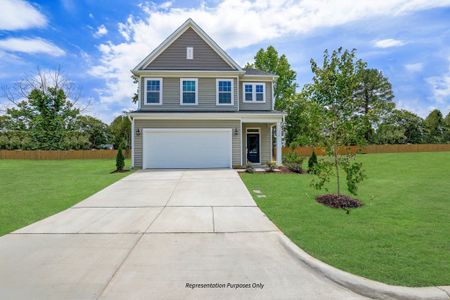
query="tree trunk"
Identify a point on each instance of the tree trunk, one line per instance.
(336, 165)
(366, 112)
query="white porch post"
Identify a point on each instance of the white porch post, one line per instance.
(279, 145)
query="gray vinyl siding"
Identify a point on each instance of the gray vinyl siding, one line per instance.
(174, 57)
(265, 141)
(256, 106)
(233, 124)
(206, 96)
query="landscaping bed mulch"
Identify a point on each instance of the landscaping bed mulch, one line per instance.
(287, 171)
(339, 201)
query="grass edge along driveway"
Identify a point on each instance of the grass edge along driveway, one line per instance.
(400, 236)
(32, 190)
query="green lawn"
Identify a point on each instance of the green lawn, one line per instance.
(402, 234)
(34, 189)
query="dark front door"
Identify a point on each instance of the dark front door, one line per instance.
(253, 148)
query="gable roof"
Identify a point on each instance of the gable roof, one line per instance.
(189, 23)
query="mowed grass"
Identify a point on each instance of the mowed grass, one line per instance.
(31, 190)
(400, 236)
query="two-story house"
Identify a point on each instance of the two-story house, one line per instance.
(199, 109)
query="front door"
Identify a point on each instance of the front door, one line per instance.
(253, 148)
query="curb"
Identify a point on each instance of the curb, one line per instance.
(363, 286)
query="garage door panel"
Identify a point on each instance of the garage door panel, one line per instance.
(187, 148)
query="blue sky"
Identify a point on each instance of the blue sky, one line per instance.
(96, 43)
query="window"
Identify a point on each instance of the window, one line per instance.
(248, 92)
(153, 91)
(254, 92)
(224, 92)
(189, 53)
(188, 91)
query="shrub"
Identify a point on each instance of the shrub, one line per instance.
(271, 166)
(293, 161)
(120, 160)
(249, 168)
(312, 163)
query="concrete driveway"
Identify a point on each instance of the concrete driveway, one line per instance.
(155, 235)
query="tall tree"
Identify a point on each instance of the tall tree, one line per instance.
(269, 61)
(447, 128)
(374, 96)
(401, 127)
(434, 123)
(302, 123)
(334, 85)
(46, 112)
(96, 131)
(120, 129)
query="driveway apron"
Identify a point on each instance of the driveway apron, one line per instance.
(159, 234)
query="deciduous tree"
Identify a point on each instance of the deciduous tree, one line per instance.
(269, 61)
(335, 83)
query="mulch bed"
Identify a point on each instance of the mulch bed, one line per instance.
(339, 201)
(287, 171)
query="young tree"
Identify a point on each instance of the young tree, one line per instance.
(374, 96)
(269, 61)
(46, 112)
(120, 159)
(120, 129)
(434, 123)
(334, 85)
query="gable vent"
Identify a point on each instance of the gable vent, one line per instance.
(189, 52)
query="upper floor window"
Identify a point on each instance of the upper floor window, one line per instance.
(189, 52)
(153, 91)
(224, 92)
(188, 91)
(254, 92)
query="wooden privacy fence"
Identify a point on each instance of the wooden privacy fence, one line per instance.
(59, 154)
(375, 149)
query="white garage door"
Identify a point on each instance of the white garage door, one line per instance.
(186, 148)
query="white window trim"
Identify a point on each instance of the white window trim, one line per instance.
(196, 90)
(246, 145)
(253, 84)
(160, 91)
(232, 91)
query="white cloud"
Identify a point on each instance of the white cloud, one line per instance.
(413, 68)
(440, 87)
(18, 14)
(101, 31)
(232, 24)
(31, 46)
(388, 43)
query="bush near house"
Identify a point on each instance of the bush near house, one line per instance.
(293, 161)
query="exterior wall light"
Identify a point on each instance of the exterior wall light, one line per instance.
(236, 131)
(138, 132)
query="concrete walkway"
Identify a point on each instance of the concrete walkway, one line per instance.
(150, 235)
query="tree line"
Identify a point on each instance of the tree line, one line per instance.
(368, 90)
(45, 117)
